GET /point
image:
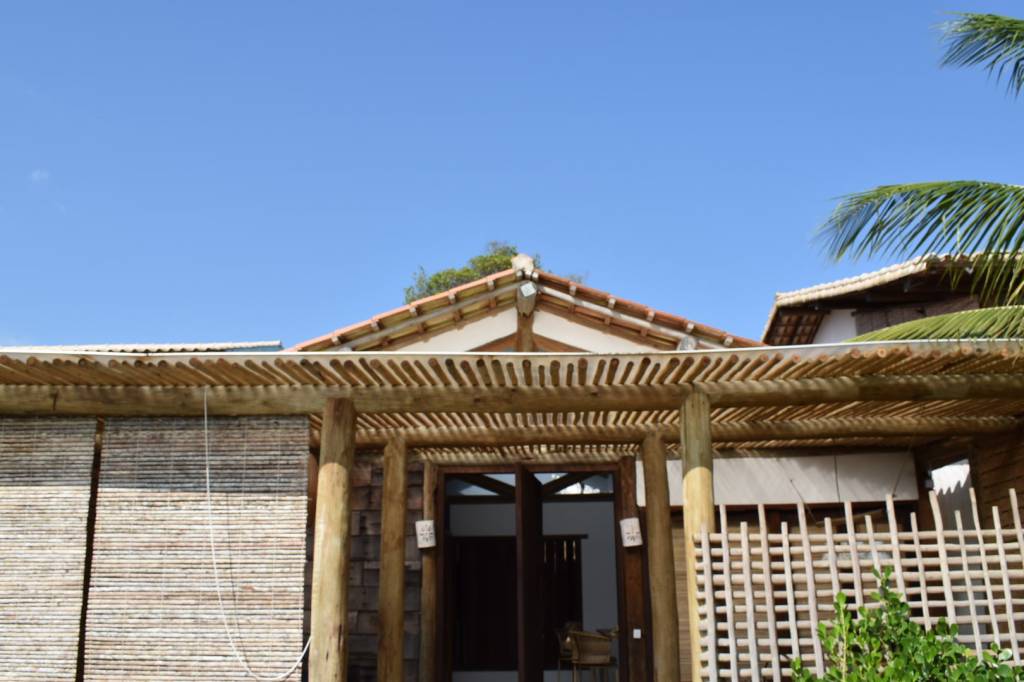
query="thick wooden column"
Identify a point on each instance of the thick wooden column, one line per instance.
(698, 501)
(328, 647)
(633, 664)
(428, 589)
(391, 601)
(529, 567)
(664, 611)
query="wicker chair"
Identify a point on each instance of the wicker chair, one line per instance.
(593, 651)
(565, 645)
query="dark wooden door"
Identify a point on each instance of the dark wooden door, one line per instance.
(529, 567)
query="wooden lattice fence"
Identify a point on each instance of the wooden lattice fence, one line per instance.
(779, 584)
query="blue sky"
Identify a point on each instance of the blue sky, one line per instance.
(245, 170)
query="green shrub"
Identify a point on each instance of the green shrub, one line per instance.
(883, 643)
(496, 258)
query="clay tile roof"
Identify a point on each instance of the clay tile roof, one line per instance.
(581, 303)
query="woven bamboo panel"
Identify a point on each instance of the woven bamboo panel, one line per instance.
(45, 472)
(763, 591)
(153, 603)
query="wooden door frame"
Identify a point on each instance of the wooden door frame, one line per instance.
(631, 594)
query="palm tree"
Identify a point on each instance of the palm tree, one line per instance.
(980, 222)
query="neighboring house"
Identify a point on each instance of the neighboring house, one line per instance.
(841, 310)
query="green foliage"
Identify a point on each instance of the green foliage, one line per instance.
(988, 40)
(1005, 322)
(496, 258)
(983, 222)
(883, 643)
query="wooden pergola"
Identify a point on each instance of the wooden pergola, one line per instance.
(483, 408)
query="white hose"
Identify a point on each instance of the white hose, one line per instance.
(216, 573)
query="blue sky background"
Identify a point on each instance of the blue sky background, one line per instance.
(177, 171)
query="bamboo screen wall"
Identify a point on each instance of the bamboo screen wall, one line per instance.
(974, 578)
(153, 608)
(45, 474)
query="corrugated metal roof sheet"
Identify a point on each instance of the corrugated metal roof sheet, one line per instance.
(207, 347)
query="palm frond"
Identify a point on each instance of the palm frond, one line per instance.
(1006, 322)
(981, 222)
(992, 41)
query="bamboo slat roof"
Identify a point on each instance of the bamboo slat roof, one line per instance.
(556, 374)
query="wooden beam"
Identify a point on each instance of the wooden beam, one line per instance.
(487, 483)
(664, 610)
(328, 648)
(556, 485)
(754, 393)
(283, 400)
(720, 432)
(526, 302)
(698, 503)
(428, 583)
(391, 599)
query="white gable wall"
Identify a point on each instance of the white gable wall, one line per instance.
(470, 335)
(582, 336)
(838, 326)
(498, 325)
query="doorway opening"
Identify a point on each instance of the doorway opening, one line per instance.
(529, 555)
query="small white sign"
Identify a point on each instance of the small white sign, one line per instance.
(630, 529)
(425, 537)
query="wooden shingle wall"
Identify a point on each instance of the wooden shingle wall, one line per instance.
(679, 559)
(364, 569)
(153, 605)
(997, 463)
(45, 473)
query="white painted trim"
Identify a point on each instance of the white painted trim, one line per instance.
(417, 320)
(609, 311)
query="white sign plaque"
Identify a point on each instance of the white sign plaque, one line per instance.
(425, 534)
(630, 529)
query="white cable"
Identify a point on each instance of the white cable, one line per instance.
(216, 574)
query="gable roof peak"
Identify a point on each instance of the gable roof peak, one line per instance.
(523, 263)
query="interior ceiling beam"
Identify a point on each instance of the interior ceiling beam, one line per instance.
(557, 485)
(283, 400)
(740, 431)
(487, 483)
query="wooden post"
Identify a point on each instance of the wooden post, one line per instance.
(328, 648)
(664, 611)
(391, 600)
(698, 502)
(526, 301)
(428, 588)
(631, 575)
